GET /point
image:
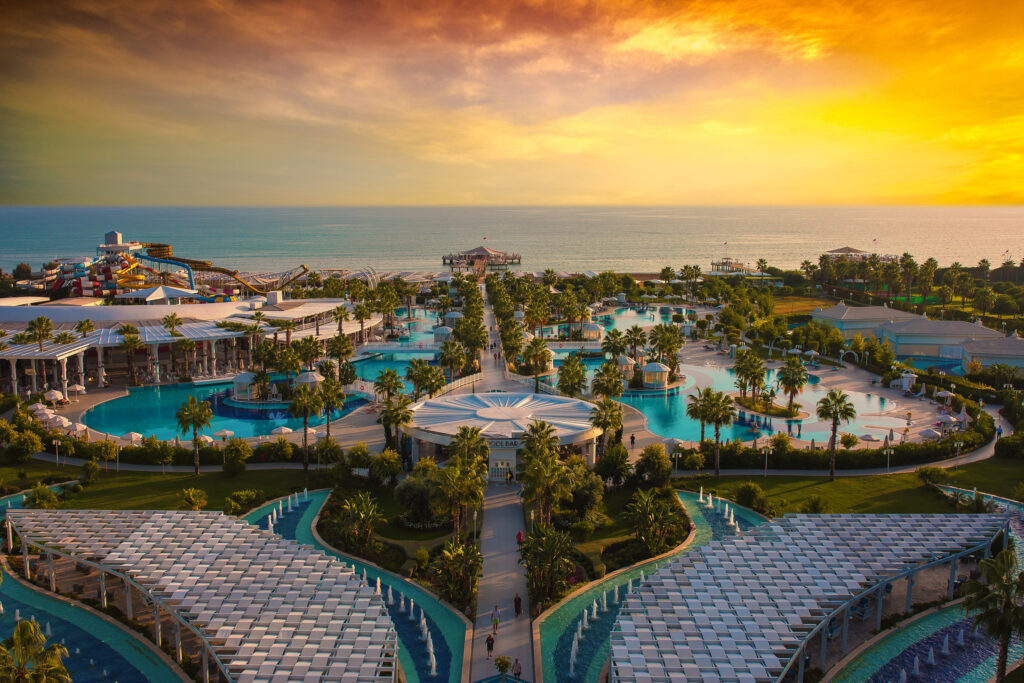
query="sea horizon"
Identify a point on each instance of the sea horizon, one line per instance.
(628, 238)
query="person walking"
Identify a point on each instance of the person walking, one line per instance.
(517, 669)
(495, 618)
(632, 440)
(490, 645)
(518, 602)
(519, 537)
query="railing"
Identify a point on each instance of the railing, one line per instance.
(387, 347)
(543, 387)
(459, 383)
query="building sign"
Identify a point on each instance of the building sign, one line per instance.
(504, 443)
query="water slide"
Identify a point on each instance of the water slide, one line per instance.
(163, 253)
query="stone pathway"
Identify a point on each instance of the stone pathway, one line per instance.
(502, 578)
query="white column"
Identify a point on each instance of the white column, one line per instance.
(103, 589)
(24, 558)
(590, 450)
(101, 376)
(208, 348)
(10, 537)
(156, 362)
(35, 387)
(64, 377)
(81, 368)
(14, 375)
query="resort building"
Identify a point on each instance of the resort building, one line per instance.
(481, 259)
(934, 339)
(1005, 350)
(754, 606)
(862, 320)
(261, 607)
(503, 419)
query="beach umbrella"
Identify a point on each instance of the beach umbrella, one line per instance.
(132, 437)
(811, 353)
(79, 427)
(930, 434)
(77, 388)
(61, 421)
(203, 438)
(942, 394)
(794, 352)
(43, 415)
(224, 434)
(868, 437)
(892, 437)
(281, 430)
(38, 406)
(947, 419)
(53, 395)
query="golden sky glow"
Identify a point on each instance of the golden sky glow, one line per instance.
(511, 102)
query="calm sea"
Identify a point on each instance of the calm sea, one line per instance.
(570, 238)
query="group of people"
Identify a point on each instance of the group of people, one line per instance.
(517, 602)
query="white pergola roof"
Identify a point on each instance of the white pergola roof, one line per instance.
(158, 293)
(50, 350)
(741, 608)
(503, 415)
(271, 608)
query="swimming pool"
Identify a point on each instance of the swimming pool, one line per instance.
(602, 601)
(447, 630)
(151, 411)
(666, 414)
(368, 367)
(97, 650)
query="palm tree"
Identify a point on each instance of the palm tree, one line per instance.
(995, 601)
(261, 380)
(64, 338)
(195, 415)
(651, 520)
(84, 327)
(635, 338)
(340, 314)
(332, 397)
(308, 349)
(416, 373)
(536, 356)
(613, 344)
(40, 330)
(606, 415)
(545, 479)
(388, 384)
(185, 347)
(287, 361)
(762, 265)
(720, 412)
(340, 347)
(286, 326)
(572, 376)
(131, 344)
(835, 406)
(608, 380)
(362, 313)
(433, 380)
(546, 556)
(127, 329)
(192, 499)
(28, 658)
(395, 413)
(362, 513)
(697, 407)
(452, 356)
(306, 402)
(171, 323)
(792, 378)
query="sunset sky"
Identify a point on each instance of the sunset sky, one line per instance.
(511, 102)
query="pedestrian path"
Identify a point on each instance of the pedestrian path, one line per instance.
(501, 579)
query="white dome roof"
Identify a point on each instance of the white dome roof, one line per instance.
(654, 366)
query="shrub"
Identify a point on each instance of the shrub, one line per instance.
(90, 470)
(235, 453)
(1010, 446)
(932, 475)
(816, 505)
(849, 440)
(614, 465)
(748, 494)
(385, 467)
(1018, 492)
(24, 445)
(654, 466)
(242, 501)
(281, 450)
(693, 461)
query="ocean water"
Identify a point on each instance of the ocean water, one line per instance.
(573, 239)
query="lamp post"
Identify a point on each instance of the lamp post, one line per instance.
(475, 511)
(766, 450)
(888, 458)
(958, 445)
(531, 521)
(56, 452)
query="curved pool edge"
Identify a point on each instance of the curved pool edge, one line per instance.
(172, 666)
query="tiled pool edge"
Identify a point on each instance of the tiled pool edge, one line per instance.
(467, 646)
(838, 667)
(78, 604)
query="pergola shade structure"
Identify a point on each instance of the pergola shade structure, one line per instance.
(744, 608)
(266, 608)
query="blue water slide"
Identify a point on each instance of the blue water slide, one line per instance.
(188, 269)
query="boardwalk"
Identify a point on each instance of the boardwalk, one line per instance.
(502, 578)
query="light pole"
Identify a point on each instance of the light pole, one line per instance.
(888, 458)
(474, 525)
(56, 453)
(956, 458)
(531, 521)
(766, 450)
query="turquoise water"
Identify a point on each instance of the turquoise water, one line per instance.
(368, 367)
(560, 625)
(624, 318)
(666, 414)
(109, 648)
(151, 411)
(447, 630)
(975, 663)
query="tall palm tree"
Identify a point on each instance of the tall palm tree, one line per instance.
(362, 313)
(171, 322)
(545, 479)
(332, 397)
(608, 380)
(572, 376)
(635, 338)
(995, 601)
(613, 344)
(126, 329)
(29, 659)
(194, 415)
(339, 347)
(720, 413)
(433, 380)
(697, 407)
(340, 314)
(309, 350)
(416, 374)
(395, 413)
(84, 327)
(185, 347)
(388, 384)
(536, 356)
(306, 402)
(286, 326)
(835, 406)
(792, 379)
(40, 330)
(606, 415)
(287, 361)
(452, 356)
(131, 344)
(762, 265)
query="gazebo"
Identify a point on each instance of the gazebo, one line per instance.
(243, 386)
(442, 333)
(655, 375)
(310, 379)
(625, 364)
(592, 332)
(907, 380)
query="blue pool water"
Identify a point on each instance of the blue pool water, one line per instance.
(974, 662)
(560, 625)
(447, 630)
(368, 367)
(151, 411)
(110, 648)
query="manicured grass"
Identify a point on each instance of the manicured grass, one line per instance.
(799, 305)
(10, 475)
